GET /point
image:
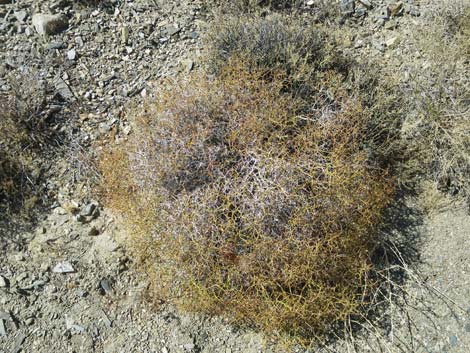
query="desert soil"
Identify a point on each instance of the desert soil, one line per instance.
(67, 283)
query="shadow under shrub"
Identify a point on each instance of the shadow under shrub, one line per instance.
(242, 203)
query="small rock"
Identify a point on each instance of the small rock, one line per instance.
(88, 210)
(21, 277)
(396, 9)
(80, 218)
(360, 12)
(380, 22)
(414, 11)
(384, 13)
(347, 7)
(366, 3)
(3, 331)
(453, 340)
(105, 285)
(55, 45)
(310, 3)
(18, 343)
(391, 42)
(79, 41)
(189, 346)
(21, 15)
(63, 267)
(379, 46)
(467, 327)
(72, 54)
(29, 321)
(187, 65)
(63, 90)
(164, 350)
(60, 4)
(19, 257)
(49, 24)
(3, 282)
(124, 35)
(390, 25)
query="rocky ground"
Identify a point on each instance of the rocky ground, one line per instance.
(67, 285)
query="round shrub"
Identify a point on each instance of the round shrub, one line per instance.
(242, 203)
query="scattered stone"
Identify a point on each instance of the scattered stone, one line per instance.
(19, 257)
(72, 54)
(3, 331)
(384, 13)
(347, 7)
(414, 11)
(46, 24)
(55, 45)
(18, 343)
(80, 218)
(453, 340)
(396, 9)
(187, 65)
(105, 285)
(63, 267)
(391, 42)
(88, 210)
(105, 318)
(379, 46)
(72, 326)
(21, 15)
(124, 35)
(3, 282)
(390, 25)
(366, 3)
(35, 285)
(79, 41)
(60, 4)
(63, 89)
(360, 13)
(189, 346)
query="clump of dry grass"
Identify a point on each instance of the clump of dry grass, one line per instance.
(277, 42)
(437, 135)
(243, 203)
(27, 128)
(245, 6)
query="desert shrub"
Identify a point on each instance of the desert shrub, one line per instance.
(243, 204)
(277, 42)
(28, 127)
(246, 6)
(436, 133)
(308, 55)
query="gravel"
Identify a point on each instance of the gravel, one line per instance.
(68, 285)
